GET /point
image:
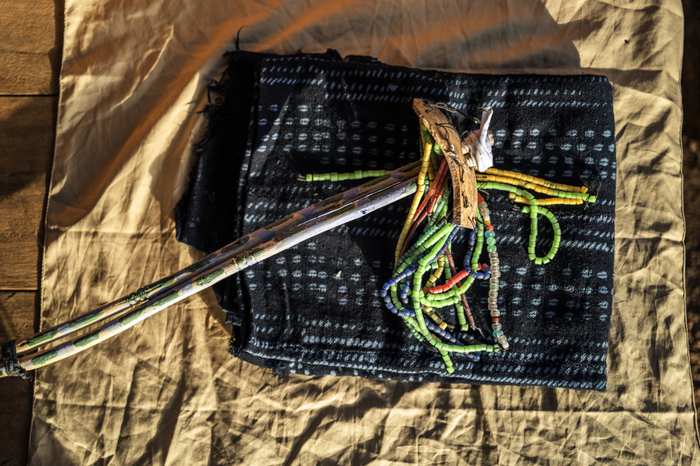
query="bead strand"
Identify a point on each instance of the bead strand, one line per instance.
(356, 175)
(442, 211)
(413, 292)
(423, 242)
(555, 227)
(438, 271)
(463, 311)
(532, 179)
(550, 201)
(490, 235)
(416, 200)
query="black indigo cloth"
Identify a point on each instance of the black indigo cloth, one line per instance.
(315, 309)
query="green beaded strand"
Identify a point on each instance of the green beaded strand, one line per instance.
(356, 175)
(533, 209)
(555, 227)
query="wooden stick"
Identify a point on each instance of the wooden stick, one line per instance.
(148, 292)
(267, 241)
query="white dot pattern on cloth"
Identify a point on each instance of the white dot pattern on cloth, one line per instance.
(558, 315)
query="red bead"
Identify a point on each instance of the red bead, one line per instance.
(490, 227)
(494, 319)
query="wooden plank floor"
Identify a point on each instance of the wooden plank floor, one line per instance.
(30, 53)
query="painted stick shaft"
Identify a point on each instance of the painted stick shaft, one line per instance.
(205, 277)
(148, 292)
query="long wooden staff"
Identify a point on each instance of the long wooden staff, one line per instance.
(44, 348)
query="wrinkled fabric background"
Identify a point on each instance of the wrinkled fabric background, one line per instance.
(167, 392)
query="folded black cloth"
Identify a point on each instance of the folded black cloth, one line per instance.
(315, 309)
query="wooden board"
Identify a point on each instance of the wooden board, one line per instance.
(27, 128)
(31, 39)
(17, 319)
(464, 194)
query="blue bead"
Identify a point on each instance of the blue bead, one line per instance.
(383, 293)
(468, 260)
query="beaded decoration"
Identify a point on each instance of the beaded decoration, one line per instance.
(356, 175)
(413, 292)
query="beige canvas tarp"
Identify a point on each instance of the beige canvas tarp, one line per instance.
(167, 392)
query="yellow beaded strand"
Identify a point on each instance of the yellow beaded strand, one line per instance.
(434, 317)
(438, 272)
(548, 201)
(431, 173)
(532, 179)
(416, 200)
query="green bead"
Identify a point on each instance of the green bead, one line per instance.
(491, 248)
(531, 255)
(490, 240)
(538, 261)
